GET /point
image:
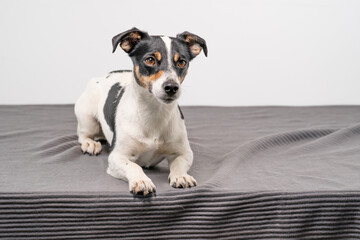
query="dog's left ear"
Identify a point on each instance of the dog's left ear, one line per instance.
(128, 39)
(194, 42)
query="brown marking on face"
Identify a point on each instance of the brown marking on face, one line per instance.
(157, 55)
(155, 76)
(147, 81)
(176, 57)
(181, 79)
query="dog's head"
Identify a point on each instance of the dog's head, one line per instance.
(160, 63)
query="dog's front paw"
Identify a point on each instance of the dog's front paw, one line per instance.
(182, 181)
(91, 147)
(142, 186)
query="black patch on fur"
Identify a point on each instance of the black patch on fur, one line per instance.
(181, 114)
(120, 71)
(111, 103)
(112, 145)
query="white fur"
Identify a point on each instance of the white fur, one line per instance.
(167, 42)
(147, 130)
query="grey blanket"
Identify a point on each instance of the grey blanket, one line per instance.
(262, 173)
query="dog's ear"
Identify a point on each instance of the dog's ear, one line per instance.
(194, 42)
(128, 39)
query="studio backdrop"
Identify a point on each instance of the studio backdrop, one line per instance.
(275, 52)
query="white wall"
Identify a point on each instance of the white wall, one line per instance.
(270, 52)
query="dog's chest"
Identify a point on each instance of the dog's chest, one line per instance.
(150, 151)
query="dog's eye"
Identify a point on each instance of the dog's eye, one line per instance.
(181, 63)
(150, 61)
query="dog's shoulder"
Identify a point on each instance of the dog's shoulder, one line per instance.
(122, 77)
(104, 84)
(114, 86)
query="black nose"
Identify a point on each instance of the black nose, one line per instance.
(170, 87)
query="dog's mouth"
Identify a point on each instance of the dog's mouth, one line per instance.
(168, 100)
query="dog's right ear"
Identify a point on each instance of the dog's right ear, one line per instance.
(128, 39)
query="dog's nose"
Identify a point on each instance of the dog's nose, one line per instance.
(170, 87)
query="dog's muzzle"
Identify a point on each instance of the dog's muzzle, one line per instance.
(170, 88)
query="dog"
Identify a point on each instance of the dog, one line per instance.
(136, 111)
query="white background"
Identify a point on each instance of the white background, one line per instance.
(269, 52)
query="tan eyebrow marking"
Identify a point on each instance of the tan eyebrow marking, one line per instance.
(176, 57)
(157, 55)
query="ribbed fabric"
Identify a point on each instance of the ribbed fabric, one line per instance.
(262, 173)
(197, 215)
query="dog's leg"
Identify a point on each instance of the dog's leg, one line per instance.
(88, 127)
(123, 168)
(179, 167)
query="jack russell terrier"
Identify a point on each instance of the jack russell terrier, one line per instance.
(136, 111)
